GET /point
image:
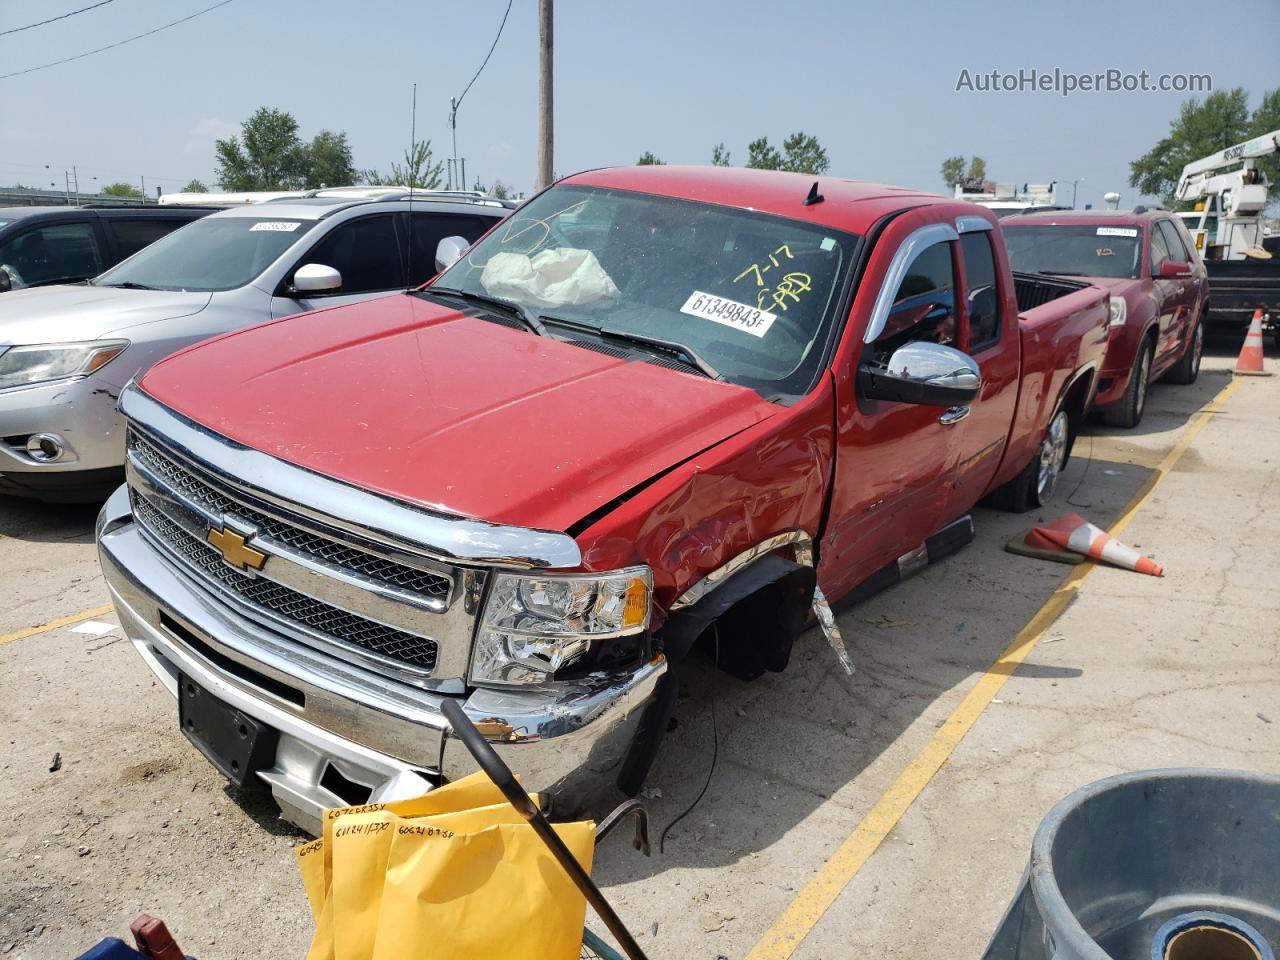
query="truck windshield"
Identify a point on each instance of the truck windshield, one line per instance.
(216, 253)
(1075, 250)
(750, 296)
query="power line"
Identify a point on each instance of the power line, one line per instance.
(118, 43)
(458, 103)
(92, 6)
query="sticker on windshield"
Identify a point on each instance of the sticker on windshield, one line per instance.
(285, 226)
(740, 316)
(1117, 231)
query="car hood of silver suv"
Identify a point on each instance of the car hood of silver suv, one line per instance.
(65, 314)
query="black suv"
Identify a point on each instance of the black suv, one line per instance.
(44, 245)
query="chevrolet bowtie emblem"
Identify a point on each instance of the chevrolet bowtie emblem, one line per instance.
(235, 549)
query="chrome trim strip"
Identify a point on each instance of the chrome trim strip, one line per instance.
(438, 536)
(701, 588)
(906, 254)
(970, 224)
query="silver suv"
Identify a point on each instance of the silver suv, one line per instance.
(66, 351)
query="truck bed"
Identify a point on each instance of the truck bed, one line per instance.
(1063, 327)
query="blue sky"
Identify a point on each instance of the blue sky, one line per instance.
(875, 82)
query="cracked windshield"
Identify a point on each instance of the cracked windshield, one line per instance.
(741, 296)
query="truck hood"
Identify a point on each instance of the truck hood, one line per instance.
(456, 413)
(63, 314)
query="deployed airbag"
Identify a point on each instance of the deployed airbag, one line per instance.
(552, 278)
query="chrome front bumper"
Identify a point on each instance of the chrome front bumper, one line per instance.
(568, 743)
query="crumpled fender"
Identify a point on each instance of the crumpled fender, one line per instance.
(770, 478)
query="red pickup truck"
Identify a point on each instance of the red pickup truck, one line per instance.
(656, 407)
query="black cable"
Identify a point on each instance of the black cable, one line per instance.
(715, 753)
(110, 46)
(92, 6)
(1087, 464)
(458, 102)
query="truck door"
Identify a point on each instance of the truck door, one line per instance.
(893, 460)
(988, 333)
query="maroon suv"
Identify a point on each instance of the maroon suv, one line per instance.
(1158, 291)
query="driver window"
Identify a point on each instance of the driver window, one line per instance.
(924, 307)
(1159, 252)
(365, 252)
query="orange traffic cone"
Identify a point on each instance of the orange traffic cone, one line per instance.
(1072, 532)
(1250, 362)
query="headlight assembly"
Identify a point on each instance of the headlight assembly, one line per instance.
(37, 363)
(536, 625)
(1118, 311)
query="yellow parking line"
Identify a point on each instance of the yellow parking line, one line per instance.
(783, 938)
(54, 624)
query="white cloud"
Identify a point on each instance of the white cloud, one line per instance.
(202, 134)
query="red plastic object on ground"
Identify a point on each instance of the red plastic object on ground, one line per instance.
(154, 939)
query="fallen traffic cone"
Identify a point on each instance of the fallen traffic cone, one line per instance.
(1250, 362)
(1075, 533)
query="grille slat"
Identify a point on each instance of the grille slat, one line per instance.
(283, 601)
(431, 585)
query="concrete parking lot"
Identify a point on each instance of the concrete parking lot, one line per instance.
(888, 814)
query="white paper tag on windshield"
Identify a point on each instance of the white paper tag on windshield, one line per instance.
(1117, 231)
(284, 226)
(740, 316)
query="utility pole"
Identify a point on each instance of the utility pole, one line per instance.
(545, 130)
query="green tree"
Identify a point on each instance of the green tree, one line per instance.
(268, 154)
(1265, 119)
(418, 170)
(1202, 127)
(952, 171)
(329, 161)
(977, 169)
(649, 159)
(762, 156)
(801, 153)
(121, 189)
(195, 186)
(720, 156)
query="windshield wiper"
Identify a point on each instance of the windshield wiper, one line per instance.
(1060, 273)
(126, 285)
(685, 354)
(522, 313)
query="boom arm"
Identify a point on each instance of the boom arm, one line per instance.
(1193, 179)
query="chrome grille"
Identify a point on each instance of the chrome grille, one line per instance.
(321, 549)
(282, 601)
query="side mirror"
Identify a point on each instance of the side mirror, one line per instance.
(449, 251)
(923, 373)
(1173, 269)
(316, 278)
(6, 282)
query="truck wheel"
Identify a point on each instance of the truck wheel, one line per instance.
(1188, 366)
(1128, 412)
(1033, 487)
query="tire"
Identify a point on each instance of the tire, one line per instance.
(1128, 412)
(1188, 366)
(1033, 486)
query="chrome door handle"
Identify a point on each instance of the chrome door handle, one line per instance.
(954, 415)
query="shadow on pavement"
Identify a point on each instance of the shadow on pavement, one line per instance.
(47, 522)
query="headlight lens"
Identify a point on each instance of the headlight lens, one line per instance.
(1118, 311)
(535, 625)
(20, 366)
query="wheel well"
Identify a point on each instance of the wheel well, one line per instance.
(1076, 404)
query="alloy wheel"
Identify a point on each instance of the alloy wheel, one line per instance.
(1053, 454)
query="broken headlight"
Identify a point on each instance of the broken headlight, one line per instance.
(535, 626)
